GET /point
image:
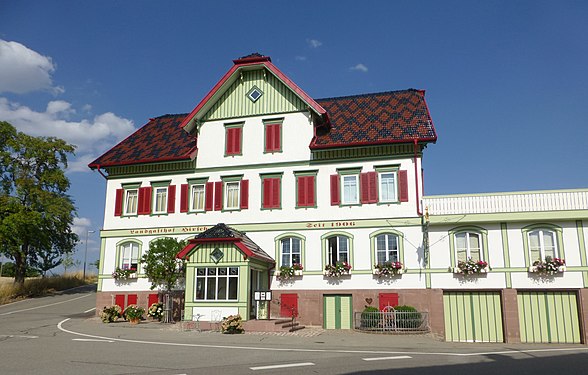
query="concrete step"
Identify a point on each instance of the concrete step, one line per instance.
(297, 328)
(295, 324)
(282, 321)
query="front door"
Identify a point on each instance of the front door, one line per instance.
(337, 312)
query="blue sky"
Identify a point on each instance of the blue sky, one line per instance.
(506, 81)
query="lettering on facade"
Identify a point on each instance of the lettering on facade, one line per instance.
(332, 224)
(168, 230)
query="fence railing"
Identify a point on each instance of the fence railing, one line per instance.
(507, 202)
(392, 321)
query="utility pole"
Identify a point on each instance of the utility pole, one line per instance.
(86, 251)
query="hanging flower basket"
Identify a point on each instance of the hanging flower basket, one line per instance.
(549, 267)
(337, 270)
(388, 269)
(471, 267)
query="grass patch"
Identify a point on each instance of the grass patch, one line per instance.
(36, 287)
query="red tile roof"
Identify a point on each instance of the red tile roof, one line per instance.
(387, 117)
(159, 140)
(380, 118)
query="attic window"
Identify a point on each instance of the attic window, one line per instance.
(254, 94)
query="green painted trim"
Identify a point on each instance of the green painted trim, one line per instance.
(399, 240)
(471, 229)
(158, 169)
(130, 185)
(428, 280)
(381, 152)
(232, 178)
(197, 180)
(267, 227)
(325, 250)
(313, 172)
(558, 234)
(277, 252)
(349, 171)
(509, 216)
(165, 183)
(581, 242)
(506, 253)
(139, 253)
(234, 126)
(338, 309)
(387, 168)
(305, 174)
(263, 176)
(99, 285)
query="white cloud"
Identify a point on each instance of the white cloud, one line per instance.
(24, 70)
(359, 67)
(91, 136)
(314, 43)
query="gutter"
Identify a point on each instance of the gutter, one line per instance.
(416, 178)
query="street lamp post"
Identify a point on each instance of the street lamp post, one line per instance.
(86, 251)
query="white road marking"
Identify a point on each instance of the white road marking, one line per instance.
(386, 358)
(21, 336)
(40, 307)
(92, 309)
(282, 366)
(93, 340)
(271, 349)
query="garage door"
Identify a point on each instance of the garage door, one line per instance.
(337, 312)
(473, 316)
(549, 317)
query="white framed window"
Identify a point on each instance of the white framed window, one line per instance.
(468, 245)
(388, 188)
(350, 187)
(160, 201)
(131, 199)
(232, 195)
(387, 248)
(197, 197)
(129, 256)
(542, 244)
(290, 248)
(217, 283)
(338, 249)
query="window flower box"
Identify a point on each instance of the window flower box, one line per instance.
(550, 266)
(337, 270)
(471, 267)
(388, 269)
(124, 274)
(287, 272)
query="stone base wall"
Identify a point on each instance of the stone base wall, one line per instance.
(108, 299)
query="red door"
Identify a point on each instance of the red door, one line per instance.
(153, 298)
(289, 305)
(119, 300)
(388, 299)
(131, 299)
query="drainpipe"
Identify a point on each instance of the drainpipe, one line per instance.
(416, 178)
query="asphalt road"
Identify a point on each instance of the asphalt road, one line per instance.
(59, 335)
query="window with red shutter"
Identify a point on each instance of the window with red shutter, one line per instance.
(209, 189)
(144, 200)
(171, 199)
(271, 192)
(403, 185)
(305, 191)
(273, 141)
(218, 196)
(184, 198)
(233, 140)
(244, 194)
(118, 202)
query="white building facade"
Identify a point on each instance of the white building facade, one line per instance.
(321, 203)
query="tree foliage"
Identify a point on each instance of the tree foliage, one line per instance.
(160, 263)
(36, 213)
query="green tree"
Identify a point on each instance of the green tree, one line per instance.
(47, 259)
(161, 265)
(68, 261)
(36, 213)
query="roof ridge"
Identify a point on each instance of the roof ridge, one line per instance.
(169, 115)
(370, 94)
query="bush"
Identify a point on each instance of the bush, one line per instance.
(133, 312)
(409, 317)
(370, 317)
(232, 324)
(110, 314)
(156, 311)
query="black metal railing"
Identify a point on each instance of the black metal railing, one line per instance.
(392, 321)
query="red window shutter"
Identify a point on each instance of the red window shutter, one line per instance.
(218, 195)
(233, 141)
(144, 201)
(244, 194)
(276, 193)
(387, 299)
(335, 199)
(131, 299)
(118, 202)
(403, 185)
(171, 199)
(269, 138)
(364, 188)
(310, 200)
(209, 191)
(237, 141)
(229, 141)
(289, 305)
(119, 300)
(152, 298)
(302, 195)
(373, 187)
(266, 192)
(184, 198)
(277, 131)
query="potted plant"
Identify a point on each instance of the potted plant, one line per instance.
(471, 267)
(337, 270)
(110, 314)
(133, 313)
(124, 274)
(388, 269)
(287, 272)
(232, 324)
(550, 266)
(155, 311)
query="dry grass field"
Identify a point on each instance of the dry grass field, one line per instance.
(38, 286)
